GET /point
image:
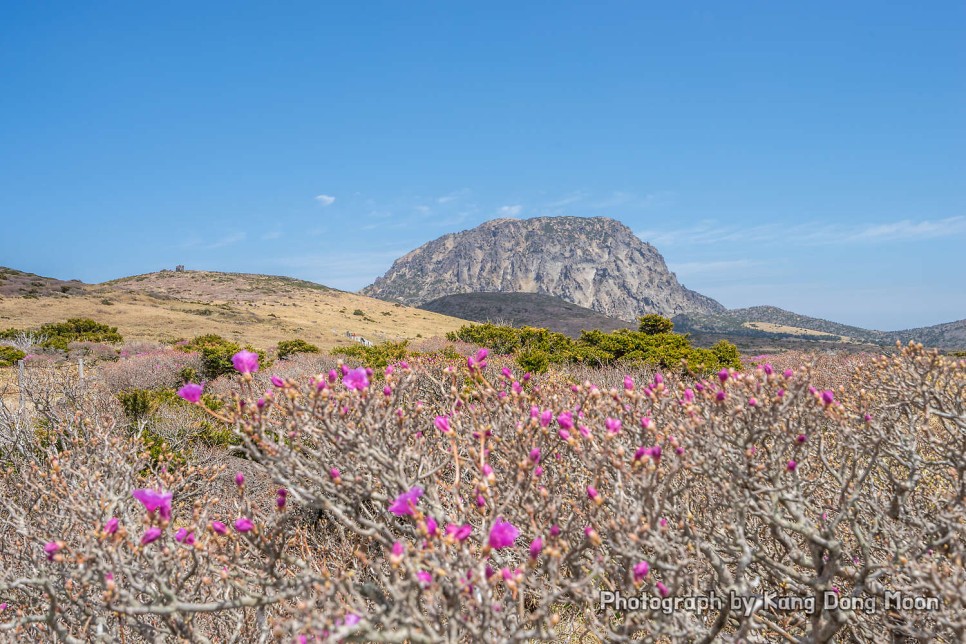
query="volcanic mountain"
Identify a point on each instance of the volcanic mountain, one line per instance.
(597, 263)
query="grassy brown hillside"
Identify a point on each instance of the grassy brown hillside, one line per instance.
(260, 309)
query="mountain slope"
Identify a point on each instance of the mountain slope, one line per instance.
(597, 263)
(775, 323)
(261, 309)
(525, 309)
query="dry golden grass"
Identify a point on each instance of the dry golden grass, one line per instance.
(797, 330)
(259, 309)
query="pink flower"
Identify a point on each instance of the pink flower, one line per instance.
(688, 395)
(788, 373)
(828, 397)
(591, 492)
(219, 527)
(356, 379)
(150, 535)
(613, 425)
(351, 619)
(185, 537)
(752, 402)
(566, 420)
(723, 375)
(767, 368)
(245, 362)
(155, 500)
(398, 549)
(502, 534)
(628, 383)
(425, 578)
(111, 526)
(239, 479)
(720, 396)
(662, 589)
(442, 424)
(244, 524)
(791, 466)
(546, 417)
(658, 378)
(536, 547)
(535, 455)
(802, 438)
(432, 528)
(51, 548)
(405, 503)
(555, 530)
(641, 570)
(334, 473)
(191, 392)
(459, 532)
(278, 382)
(538, 471)
(387, 391)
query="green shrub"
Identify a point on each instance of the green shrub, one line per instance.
(10, 355)
(653, 324)
(728, 354)
(378, 356)
(291, 347)
(216, 353)
(533, 360)
(138, 404)
(61, 334)
(9, 334)
(655, 345)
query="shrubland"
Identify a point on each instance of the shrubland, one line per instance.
(451, 497)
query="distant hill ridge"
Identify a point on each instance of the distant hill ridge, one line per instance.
(597, 263)
(525, 309)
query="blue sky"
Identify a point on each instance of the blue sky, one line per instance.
(808, 155)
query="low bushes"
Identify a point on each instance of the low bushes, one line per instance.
(10, 355)
(287, 348)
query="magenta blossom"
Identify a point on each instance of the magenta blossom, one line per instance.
(791, 466)
(535, 455)
(502, 534)
(613, 425)
(356, 379)
(662, 589)
(432, 528)
(219, 527)
(405, 503)
(51, 548)
(546, 417)
(536, 547)
(111, 526)
(828, 397)
(191, 392)
(278, 382)
(150, 535)
(425, 578)
(245, 361)
(155, 501)
(442, 424)
(459, 532)
(566, 420)
(244, 524)
(185, 537)
(628, 383)
(641, 570)
(239, 479)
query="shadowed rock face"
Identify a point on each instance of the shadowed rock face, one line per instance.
(595, 262)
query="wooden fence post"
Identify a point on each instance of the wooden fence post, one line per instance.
(20, 374)
(80, 368)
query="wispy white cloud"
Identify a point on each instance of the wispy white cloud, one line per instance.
(716, 266)
(510, 211)
(453, 196)
(325, 200)
(198, 243)
(908, 229)
(271, 235)
(807, 233)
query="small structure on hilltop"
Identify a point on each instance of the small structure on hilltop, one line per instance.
(179, 268)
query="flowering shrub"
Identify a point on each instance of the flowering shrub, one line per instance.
(467, 504)
(153, 369)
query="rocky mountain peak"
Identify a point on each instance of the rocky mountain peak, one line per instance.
(594, 262)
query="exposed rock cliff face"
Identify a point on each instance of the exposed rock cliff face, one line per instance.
(595, 262)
